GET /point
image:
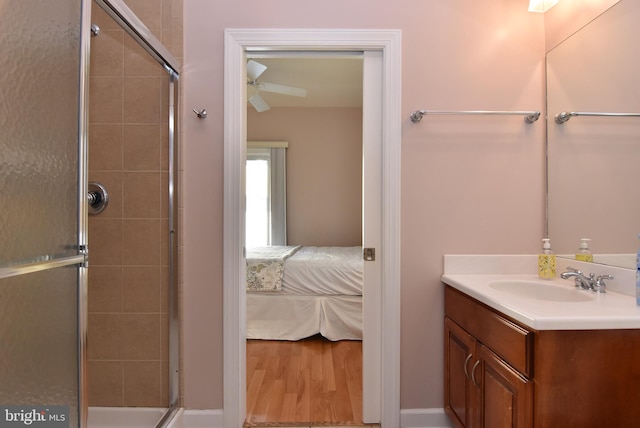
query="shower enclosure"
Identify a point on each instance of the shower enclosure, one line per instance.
(88, 303)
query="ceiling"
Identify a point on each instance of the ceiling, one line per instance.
(330, 80)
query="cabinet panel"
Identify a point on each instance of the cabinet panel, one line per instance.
(587, 378)
(459, 352)
(506, 395)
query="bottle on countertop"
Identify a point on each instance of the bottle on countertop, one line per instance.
(584, 253)
(546, 261)
(638, 277)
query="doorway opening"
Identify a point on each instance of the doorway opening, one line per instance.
(304, 191)
(381, 401)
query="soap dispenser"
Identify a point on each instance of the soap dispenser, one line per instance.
(584, 253)
(546, 261)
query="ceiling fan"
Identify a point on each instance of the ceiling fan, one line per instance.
(254, 71)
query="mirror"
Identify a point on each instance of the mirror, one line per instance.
(594, 161)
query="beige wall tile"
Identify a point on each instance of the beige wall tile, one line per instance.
(107, 53)
(176, 38)
(141, 194)
(166, 10)
(105, 102)
(105, 342)
(142, 147)
(149, 11)
(176, 9)
(141, 336)
(142, 242)
(141, 291)
(105, 146)
(164, 289)
(142, 383)
(106, 383)
(164, 337)
(105, 241)
(142, 99)
(105, 289)
(165, 381)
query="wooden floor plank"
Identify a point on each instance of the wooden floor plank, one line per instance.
(303, 403)
(313, 382)
(254, 388)
(274, 402)
(288, 412)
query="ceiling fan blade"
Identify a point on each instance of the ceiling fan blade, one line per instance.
(282, 89)
(258, 103)
(254, 70)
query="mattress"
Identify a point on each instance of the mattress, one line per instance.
(325, 271)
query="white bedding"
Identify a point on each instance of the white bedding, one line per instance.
(321, 293)
(324, 270)
(265, 267)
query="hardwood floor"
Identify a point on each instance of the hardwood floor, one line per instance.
(312, 382)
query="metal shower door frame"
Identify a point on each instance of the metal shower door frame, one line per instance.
(118, 10)
(80, 259)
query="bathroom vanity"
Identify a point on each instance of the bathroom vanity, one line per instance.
(527, 360)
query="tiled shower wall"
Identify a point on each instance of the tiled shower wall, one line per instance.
(128, 241)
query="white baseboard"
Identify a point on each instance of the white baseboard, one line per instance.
(424, 418)
(197, 419)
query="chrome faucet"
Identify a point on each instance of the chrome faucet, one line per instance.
(600, 286)
(581, 281)
(592, 282)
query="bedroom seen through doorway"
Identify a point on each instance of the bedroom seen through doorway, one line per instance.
(304, 229)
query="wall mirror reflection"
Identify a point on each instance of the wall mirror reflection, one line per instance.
(593, 160)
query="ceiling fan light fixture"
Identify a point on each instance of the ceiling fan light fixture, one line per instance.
(254, 87)
(541, 5)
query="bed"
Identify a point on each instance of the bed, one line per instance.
(295, 292)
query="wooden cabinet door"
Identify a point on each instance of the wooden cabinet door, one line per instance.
(459, 356)
(506, 397)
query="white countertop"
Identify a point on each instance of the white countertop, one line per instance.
(611, 310)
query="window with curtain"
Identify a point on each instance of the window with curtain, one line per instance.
(266, 194)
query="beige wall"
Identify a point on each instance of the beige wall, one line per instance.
(470, 185)
(324, 171)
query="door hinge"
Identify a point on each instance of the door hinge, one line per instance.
(369, 254)
(84, 250)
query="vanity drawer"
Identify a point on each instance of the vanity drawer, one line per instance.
(509, 340)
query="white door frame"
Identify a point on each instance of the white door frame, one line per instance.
(237, 41)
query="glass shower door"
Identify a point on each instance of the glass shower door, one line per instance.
(42, 207)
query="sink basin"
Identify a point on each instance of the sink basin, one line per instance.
(542, 291)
